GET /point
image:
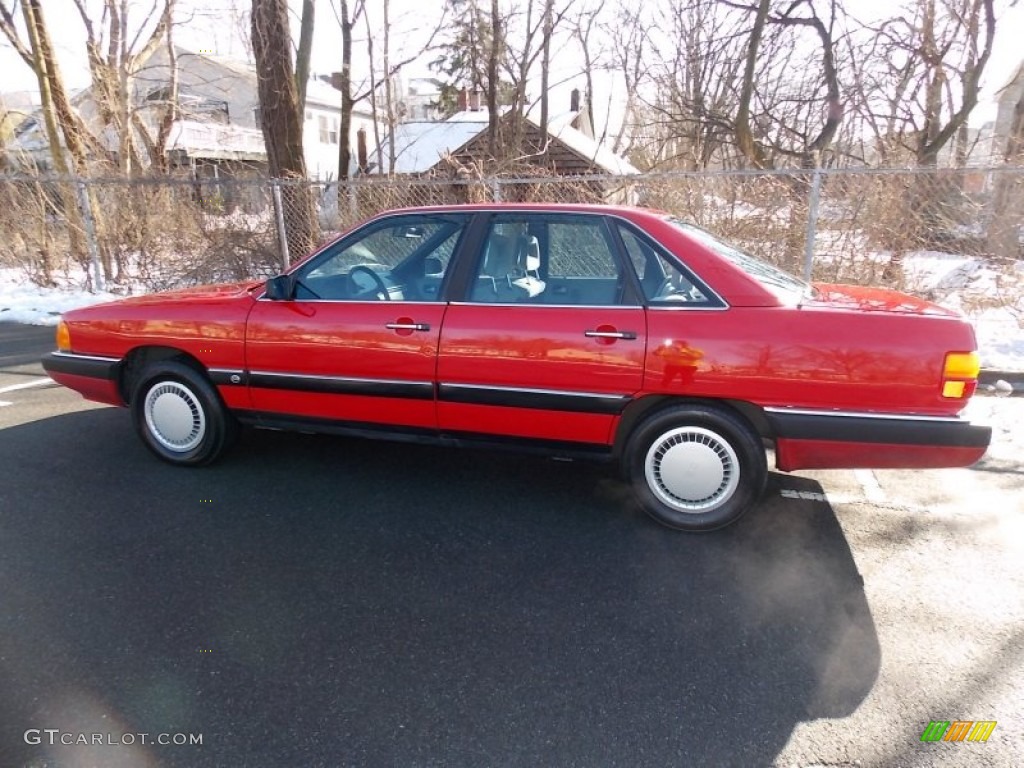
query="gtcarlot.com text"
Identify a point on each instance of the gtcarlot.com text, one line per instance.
(55, 736)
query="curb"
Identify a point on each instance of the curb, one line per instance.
(988, 378)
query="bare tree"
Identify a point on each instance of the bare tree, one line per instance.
(1008, 195)
(113, 69)
(58, 116)
(347, 21)
(493, 59)
(918, 75)
(545, 66)
(305, 50)
(629, 36)
(281, 119)
(751, 149)
(583, 31)
(689, 121)
(381, 88)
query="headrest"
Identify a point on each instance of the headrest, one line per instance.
(528, 249)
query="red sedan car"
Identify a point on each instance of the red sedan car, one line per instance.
(597, 331)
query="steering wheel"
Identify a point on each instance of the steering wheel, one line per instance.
(376, 282)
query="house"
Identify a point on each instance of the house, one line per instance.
(421, 99)
(15, 108)
(1010, 104)
(430, 149)
(216, 131)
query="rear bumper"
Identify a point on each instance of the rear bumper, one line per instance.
(832, 440)
(95, 378)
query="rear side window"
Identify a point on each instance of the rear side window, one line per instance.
(552, 259)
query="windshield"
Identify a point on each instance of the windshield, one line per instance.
(785, 286)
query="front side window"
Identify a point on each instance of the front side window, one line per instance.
(401, 258)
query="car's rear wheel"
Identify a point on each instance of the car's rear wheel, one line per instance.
(179, 415)
(695, 467)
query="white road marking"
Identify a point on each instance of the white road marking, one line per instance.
(872, 490)
(26, 385)
(790, 493)
(5, 402)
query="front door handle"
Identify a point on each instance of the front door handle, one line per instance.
(408, 326)
(627, 335)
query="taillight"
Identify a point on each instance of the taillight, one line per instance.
(960, 374)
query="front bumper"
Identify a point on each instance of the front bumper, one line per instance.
(95, 378)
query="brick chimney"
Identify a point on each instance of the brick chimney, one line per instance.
(474, 100)
(463, 100)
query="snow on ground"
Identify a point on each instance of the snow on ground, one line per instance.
(993, 300)
(1006, 417)
(22, 301)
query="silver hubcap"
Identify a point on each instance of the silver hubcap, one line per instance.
(692, 469)
(174, 416)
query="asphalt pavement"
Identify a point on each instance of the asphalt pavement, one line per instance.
(318, 601)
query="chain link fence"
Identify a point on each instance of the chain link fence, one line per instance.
(833, 225)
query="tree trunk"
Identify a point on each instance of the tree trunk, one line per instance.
(344, 141)
(51, 87)
(389, 97)
(281, 121)
(492, 81)
(744, 136)
(305, 49)
(545, 69)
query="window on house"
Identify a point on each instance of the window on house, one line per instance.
(334, 130)
(321, 122)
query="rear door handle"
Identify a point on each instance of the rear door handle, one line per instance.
(627, 335)
(408, 326)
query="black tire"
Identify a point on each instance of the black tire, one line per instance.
(695, 467)
(180, 416)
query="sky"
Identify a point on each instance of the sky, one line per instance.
(212, 26)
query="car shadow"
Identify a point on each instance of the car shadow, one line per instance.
(322, 601)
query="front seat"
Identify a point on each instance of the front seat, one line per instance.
(498, 281)
(528, 266)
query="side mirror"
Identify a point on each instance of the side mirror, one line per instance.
(281, 288)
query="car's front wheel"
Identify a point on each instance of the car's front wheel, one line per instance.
(179, 415)
(695, 467)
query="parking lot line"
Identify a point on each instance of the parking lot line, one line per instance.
(872, 490)
(26, 385)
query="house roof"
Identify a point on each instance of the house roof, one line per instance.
(1017, 74)
(419, 146)
(318, 93)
